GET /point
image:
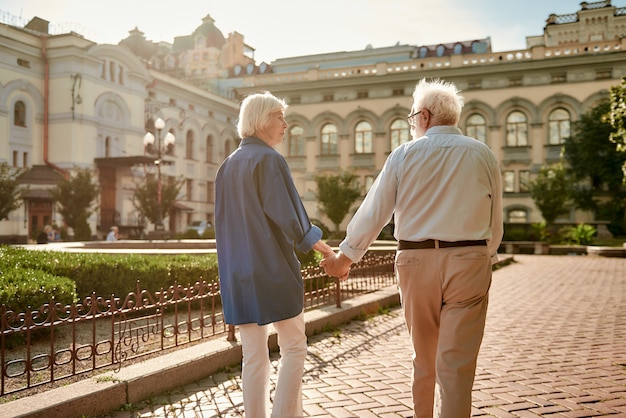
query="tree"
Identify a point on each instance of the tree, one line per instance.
(336, 194)
(551, 192)
(618, 119)
(75, 197)
(145, 199)
(595, 163)
(10, 198)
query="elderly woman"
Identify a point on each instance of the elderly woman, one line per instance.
(260, 221)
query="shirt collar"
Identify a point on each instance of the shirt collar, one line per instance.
(443, 129)
(253, 140)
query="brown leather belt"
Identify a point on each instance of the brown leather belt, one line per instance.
(431, 243)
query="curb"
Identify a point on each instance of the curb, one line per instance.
(102, 394)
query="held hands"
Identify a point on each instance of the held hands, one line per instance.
(337, 265)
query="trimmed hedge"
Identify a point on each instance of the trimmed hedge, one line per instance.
(23, 288)
(32, 277)
(112, 274)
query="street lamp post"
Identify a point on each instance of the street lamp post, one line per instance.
(158, 150)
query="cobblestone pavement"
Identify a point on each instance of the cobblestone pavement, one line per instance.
(555, 346)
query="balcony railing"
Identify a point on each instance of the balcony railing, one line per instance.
(57, 342)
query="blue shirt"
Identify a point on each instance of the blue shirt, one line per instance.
(259, 219)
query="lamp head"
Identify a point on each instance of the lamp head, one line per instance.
(169, 139)
(159, 124)
(148, 139)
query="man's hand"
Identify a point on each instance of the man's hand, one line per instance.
(337, 265)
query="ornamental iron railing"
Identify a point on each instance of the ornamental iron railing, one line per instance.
(57, 342)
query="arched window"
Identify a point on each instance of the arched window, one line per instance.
(19, 114)
(228, 147)
(189, 143)
(209, 149)
(423, 52)
(440, 50)
(458, 48)
(363, 138)
(559, 123)
(476, 127)
(400, 133)
(329, 140)
(516, 130)
(296, 141)
(517, 215)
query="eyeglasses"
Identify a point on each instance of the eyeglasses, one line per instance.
(411, 117)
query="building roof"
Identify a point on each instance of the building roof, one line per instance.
(213, 36)
(41, 174)
(37, 194)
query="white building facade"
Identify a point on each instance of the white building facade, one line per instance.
(68, 102)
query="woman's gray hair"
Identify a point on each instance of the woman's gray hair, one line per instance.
(255, 111)
(442, 99)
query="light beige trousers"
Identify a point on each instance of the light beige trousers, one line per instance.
(444, 294)
(255, 373)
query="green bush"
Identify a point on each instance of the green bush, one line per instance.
(108, 274)
(516, 232)
(581, 234)
(189, 234)
(23, 288)
(540, 232)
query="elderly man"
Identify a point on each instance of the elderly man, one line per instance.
(444, 190)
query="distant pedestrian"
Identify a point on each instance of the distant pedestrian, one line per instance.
(44, 235)
(260, 222)
(113, 234)
(444, 191)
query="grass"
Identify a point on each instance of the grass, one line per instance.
(609, 242)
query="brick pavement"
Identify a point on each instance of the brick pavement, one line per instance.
(555, 346)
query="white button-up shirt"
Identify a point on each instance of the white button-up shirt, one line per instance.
(443, 186)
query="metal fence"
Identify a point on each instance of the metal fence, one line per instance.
(58, 342)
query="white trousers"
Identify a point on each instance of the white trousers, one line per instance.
(255, 373)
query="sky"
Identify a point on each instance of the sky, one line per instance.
(290, 28)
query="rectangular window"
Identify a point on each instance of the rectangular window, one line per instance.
(509, 182)
(25, 160)
(524, 181)
(474, 84)
(15, 158)
(328, 98)
(397, 92)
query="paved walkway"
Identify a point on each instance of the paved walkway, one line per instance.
(555, 346)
